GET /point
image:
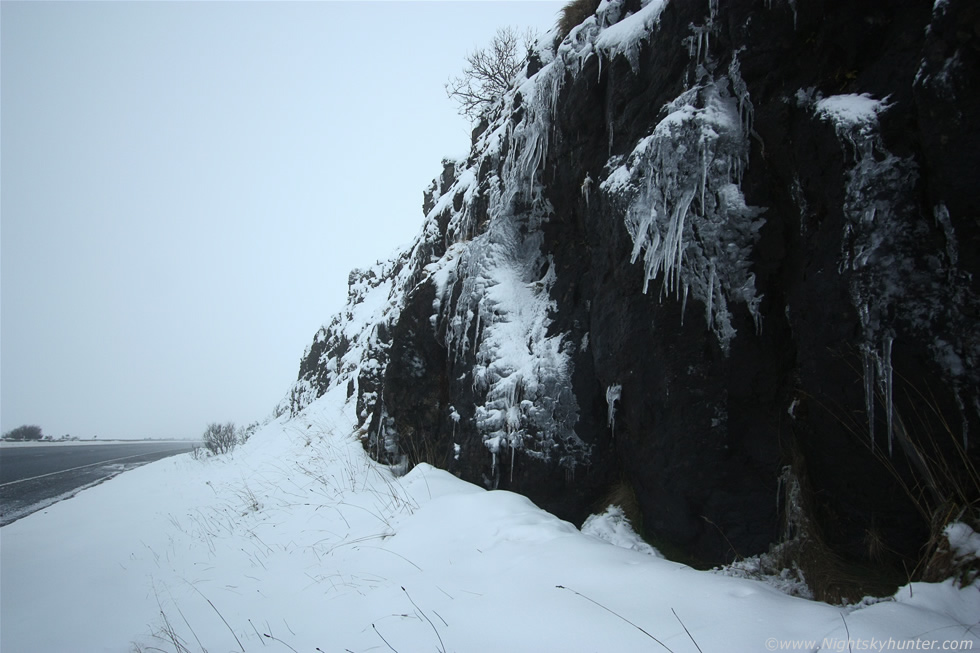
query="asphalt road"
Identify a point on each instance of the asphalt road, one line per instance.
(33, 478)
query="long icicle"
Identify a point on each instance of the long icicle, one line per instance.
(869, 392)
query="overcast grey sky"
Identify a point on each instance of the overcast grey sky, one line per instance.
(184, 188)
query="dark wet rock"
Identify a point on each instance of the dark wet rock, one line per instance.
(819, 317)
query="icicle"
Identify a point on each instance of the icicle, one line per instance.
(613, 394)
(640, 239)
(586, 188)
(941, 214)
(512, 449)
(694, 154)
(791, 411)
(704, 177)
(711, 295)
(684, 302)
(680, 242)
(671, 257)
(379, 406)
(476, 331)
(869, 392)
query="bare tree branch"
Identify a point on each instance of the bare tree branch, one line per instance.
(489, 71)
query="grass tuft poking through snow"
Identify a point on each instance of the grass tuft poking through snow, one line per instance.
(298, 541)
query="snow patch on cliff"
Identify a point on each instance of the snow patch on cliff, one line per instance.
(854, 110)
(625, 36)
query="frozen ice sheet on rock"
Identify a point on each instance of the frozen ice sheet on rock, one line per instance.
(493, 301)
(878, 245)
(687, 217)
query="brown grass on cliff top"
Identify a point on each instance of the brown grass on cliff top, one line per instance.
(573, 14)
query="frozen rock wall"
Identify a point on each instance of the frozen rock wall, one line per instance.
(696, 243)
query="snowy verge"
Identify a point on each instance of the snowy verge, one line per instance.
(298, 541)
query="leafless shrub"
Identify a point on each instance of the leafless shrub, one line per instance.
(244, 433)
(220, 438)
(489, 71)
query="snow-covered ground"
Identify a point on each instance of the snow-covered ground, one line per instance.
(297, 541)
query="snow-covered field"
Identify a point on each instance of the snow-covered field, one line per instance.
(297, 541)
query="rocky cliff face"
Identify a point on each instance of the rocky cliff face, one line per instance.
(723, 255)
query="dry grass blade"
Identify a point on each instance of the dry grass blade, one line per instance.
(612, 612)
(686, 630)
(442, 646)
